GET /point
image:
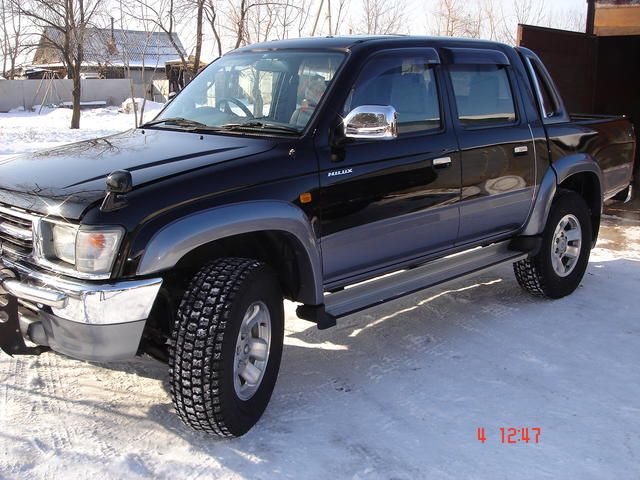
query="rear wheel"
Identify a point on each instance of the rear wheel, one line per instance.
(227, 346)
(557, 270)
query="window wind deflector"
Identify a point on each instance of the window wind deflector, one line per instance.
(476, 56)
(429, 54)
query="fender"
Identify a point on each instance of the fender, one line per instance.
(560, 171)
(175, 240)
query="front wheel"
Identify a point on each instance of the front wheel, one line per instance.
(557, 270)
(227, 346)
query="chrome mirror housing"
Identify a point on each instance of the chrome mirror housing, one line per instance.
(371, 122)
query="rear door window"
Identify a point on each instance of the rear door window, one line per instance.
(483, 95)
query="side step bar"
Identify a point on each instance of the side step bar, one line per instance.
(374, 292)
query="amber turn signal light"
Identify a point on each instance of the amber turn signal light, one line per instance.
(305, 197)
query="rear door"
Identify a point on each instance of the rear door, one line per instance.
(386, 201)
(496, 143)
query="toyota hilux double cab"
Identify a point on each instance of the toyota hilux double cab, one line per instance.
(307, 170)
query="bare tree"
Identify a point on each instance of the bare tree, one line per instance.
(381, 17)
(258, 20)
(188, 8)
(333, 22)
(64, 26)
(492, 20)
(211, 13)
(261, 22)
(303, 18)
(164, 16)
(13, 41)
(530, 12)
(130, 48)
(457, 18)
(291, 16)
(315, 22)
(238, 16)
(574, 19)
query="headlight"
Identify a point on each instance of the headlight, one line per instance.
(68, 248)
(64, 243)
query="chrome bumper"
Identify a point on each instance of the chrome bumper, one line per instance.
(90, 321)
(80, 302)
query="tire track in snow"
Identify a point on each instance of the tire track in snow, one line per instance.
(14, 371)
(52, 407)
(106, 436)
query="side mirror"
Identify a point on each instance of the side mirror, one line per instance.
(371, 122)
(171, 95)
(119, 183)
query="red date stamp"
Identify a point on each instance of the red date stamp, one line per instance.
(512, 435)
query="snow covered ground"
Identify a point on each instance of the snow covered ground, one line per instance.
(27, 131)
(393, 392)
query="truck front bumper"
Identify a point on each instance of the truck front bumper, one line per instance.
(90, 321)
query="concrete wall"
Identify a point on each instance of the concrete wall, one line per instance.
(30, 93)
(147, 77)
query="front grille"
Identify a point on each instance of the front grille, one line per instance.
(16, 232)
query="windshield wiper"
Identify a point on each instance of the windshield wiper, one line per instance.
(253, 125)
(180, 121)
(188, 124)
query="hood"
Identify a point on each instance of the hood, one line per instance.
(65, 180)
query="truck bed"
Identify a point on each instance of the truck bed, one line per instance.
(613, 147)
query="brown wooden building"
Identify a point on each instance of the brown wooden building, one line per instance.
(614, 18)
(597, 71)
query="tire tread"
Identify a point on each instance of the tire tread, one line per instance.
(529, 277)
(195, 351)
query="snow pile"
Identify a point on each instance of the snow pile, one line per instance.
(22, 131)
(150, 108)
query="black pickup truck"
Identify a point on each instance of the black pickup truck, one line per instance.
(294, 169)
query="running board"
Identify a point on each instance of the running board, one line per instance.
(380, 290)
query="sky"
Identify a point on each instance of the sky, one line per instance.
(558, 11)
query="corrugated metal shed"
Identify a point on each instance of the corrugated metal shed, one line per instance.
(104, 46)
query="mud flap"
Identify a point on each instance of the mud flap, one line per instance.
(11, 340)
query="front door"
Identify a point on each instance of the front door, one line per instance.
(385, 202)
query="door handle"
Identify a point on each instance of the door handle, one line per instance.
(442, 162)
(520, 150)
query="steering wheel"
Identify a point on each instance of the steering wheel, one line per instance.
(227, 100)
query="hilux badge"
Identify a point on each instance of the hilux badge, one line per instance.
(344, 171)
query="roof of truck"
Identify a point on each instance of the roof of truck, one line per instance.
(347, 42)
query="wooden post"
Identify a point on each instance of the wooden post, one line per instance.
(591, 16)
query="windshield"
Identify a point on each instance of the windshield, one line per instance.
(268, 90)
